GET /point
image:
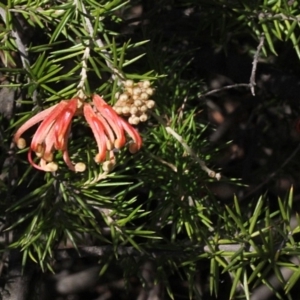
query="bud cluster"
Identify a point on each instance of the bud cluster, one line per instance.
(135, 103)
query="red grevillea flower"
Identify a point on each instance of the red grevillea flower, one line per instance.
(109, 129)
(52, 134)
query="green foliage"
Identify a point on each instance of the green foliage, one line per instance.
(278, 20)
(157, 201)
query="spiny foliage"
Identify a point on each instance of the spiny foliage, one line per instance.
(157, 201)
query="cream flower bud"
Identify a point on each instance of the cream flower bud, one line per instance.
(21, 143)
(118, 109)
(133, 110)
(129, 90)
(80, 167)
(146, 84)
(108, 166)
(128, 83)
(144, 96)
(134, 120)
(125, 110)
(143, 118)
(143, 108)
(51, 167)
(137, 91)
(123, 97)
(138, 103)
(149, 91)
(150, 103)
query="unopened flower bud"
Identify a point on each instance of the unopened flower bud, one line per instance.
(21, 143)
(51, 167)
(123, 97)
(143, 118)
(150, 104)
(134, 120)
(118, 109)
(128, 83)
(136, 91)
(138, 103)
(133, 110)
(144, 96)
(125, 110)
(108, 166)
(146, 84)
(149, 91)
(143, 108)
(80, 167)
(129, 90)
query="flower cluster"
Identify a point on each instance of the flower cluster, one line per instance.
(135, 101)
(108, 127)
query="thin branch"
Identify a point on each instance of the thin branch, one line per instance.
(254, 64)
(281, 16)
(101, 45)
(251, 83)
(188, 149)
(83, 73)
(227, 87)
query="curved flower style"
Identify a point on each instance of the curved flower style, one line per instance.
(53, 132)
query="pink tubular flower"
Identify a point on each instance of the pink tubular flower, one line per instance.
(109, 129)
(52, 134)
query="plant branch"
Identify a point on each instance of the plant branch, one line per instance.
(280, 16)
(251, 83)
(83, 73)
(116, 73)
(188, 149)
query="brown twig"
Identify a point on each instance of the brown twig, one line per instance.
(251, 83)
(254, 64)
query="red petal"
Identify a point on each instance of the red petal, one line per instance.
(49, 144)
(32, 121)
(98, 131)
(46, 125)
(112, 118)
(132, 132)
(63, 123)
